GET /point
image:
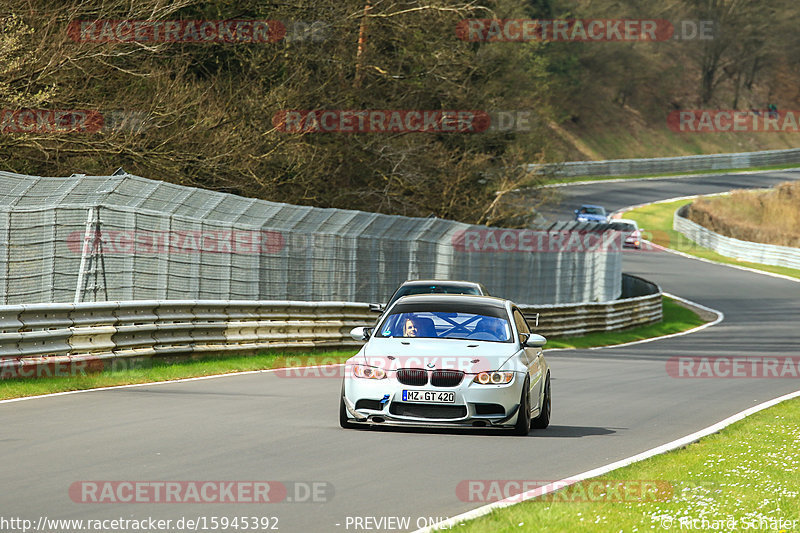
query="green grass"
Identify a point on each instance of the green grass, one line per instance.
(676, 318)
(743, 474)
(126, 372)
(656, 219)
(574, 179)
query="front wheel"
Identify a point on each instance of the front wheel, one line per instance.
(543, 420)
(523, 425)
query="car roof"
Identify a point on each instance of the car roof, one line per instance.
(490, 301)
(439, 281)
(592, 205)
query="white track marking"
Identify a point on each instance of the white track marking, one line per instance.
(182, 380)
(679, 443)
(720, 318)
(674, 445)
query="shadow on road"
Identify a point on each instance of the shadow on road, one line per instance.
(572, 431)
(551, 431)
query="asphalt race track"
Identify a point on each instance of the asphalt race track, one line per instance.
(620, 194)
(608, 404)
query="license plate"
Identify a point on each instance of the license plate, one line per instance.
(428, 396)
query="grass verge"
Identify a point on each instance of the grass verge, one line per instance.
(553, 181)
(656, 219)
(127, 372)
(152, 370)
(742, 478)
(677, 318)
(770, 216)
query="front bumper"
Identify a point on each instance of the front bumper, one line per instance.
(475, 406)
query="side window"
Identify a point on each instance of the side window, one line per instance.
(522, 324)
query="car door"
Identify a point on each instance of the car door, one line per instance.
(532, 358)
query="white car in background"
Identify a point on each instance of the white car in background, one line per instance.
(448, 361)
(630, 231)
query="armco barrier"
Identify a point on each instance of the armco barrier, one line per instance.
(640, 304)
(754, 252)
(663, 165)
(74, 333)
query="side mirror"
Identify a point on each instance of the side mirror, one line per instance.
(360, 333)
(376, 308)
(535, 341)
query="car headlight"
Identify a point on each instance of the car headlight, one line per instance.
(368, 372)
(583, 219)
(493, 378)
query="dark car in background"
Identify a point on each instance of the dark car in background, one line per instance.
(432, 286)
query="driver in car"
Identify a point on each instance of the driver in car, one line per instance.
(410, 328)
(418, 326)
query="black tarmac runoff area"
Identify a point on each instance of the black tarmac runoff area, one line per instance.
(238, 438)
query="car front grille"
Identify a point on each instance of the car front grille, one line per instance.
(421, 410)
(416, 377)
(446, 378)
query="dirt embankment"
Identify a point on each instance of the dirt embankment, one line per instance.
(771, 217)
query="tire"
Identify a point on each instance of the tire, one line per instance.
(343, 420)
(523, 425)
(543, 420)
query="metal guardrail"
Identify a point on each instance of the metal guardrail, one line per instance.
(754, 252)
(661, 165)
(88, 335)
(640, 304)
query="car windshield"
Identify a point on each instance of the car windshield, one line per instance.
(433, 288)
(594, 211)
(623, 226)
(436, 289)
(467, 324)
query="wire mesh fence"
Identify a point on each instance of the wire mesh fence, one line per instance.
(123, 237)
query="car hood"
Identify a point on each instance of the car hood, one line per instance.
(593, 218)
(469, 356)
